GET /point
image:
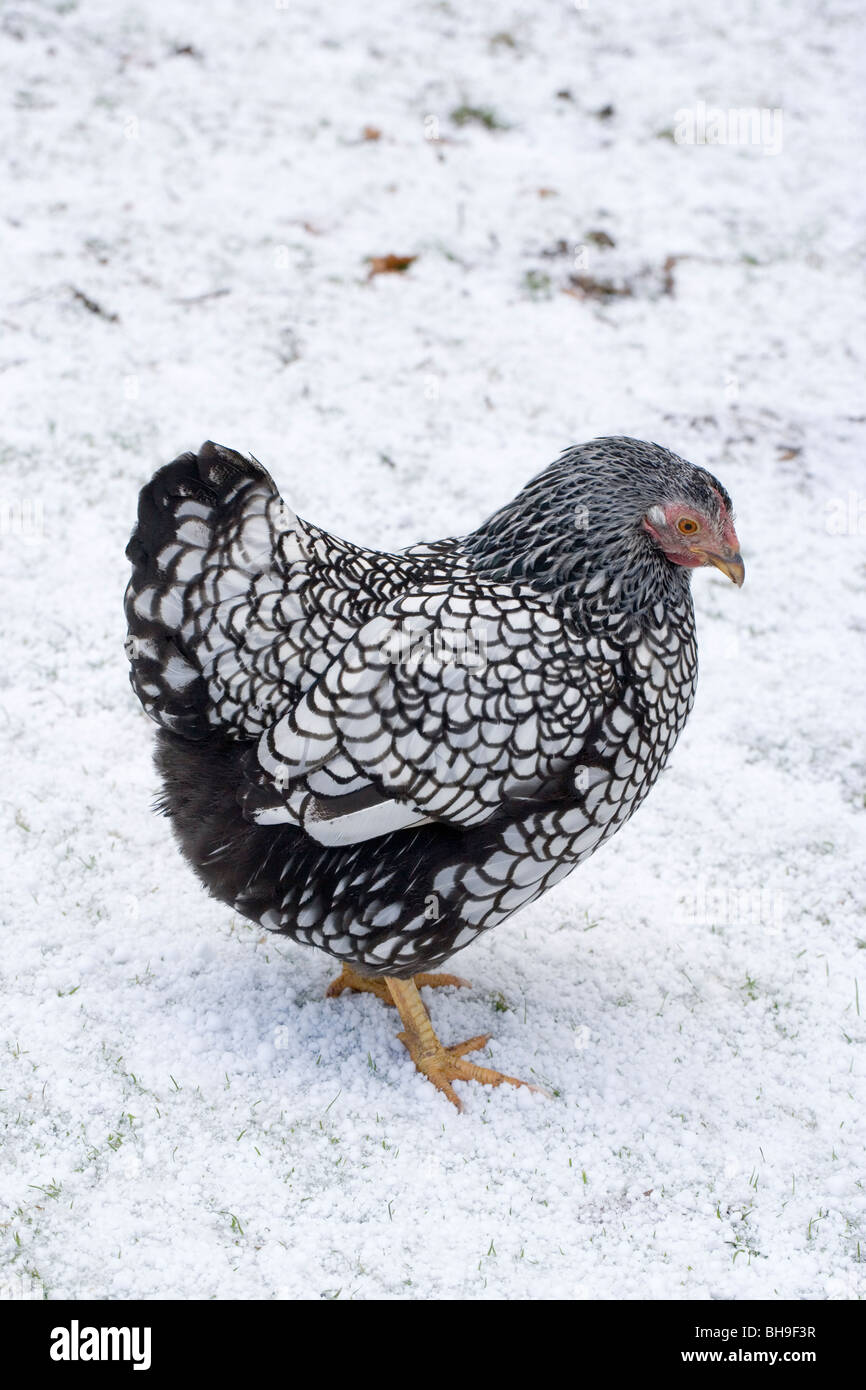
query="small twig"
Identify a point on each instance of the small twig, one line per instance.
(92, 306)
(199, 298)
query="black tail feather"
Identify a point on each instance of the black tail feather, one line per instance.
(177, 511)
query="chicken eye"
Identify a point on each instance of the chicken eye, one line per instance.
(687, 526)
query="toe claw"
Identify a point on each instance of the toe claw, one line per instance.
(437, 981)
(359, 984)
(375, 984)
(471, 1045)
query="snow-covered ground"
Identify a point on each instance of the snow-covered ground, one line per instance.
(187, 219)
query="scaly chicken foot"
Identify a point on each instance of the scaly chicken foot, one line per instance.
(377, 984)
(440, 1064)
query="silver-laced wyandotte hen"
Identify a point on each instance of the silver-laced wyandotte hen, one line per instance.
(383, 755)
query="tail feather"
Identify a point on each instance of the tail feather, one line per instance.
(236, 606)
(215, 498)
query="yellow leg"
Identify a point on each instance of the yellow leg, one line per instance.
(377, 984)
(438, 1063)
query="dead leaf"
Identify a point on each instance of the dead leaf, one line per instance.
(370, 132)
(587, 287)
(388, 265)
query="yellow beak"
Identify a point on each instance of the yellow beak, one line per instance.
(730, 563)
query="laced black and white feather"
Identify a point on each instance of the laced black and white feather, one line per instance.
(385, 754)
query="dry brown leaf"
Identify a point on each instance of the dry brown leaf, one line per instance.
(587, 287)
(370, 132)
(388, 265)
(600, 238)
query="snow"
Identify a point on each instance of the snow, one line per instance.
(185, 1114)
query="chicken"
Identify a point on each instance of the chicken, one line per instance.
(383, 755)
